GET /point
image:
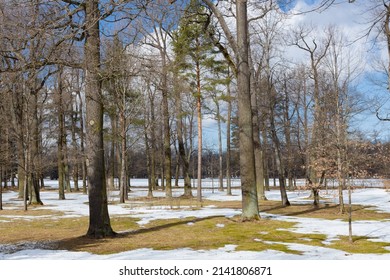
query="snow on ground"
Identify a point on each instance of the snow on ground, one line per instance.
(75, 205)
(227, 253)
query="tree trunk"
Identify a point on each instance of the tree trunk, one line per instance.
(265, 156)
(279, 162)
(153, 152)
(66, 166)
(184, 159)
(111, 157)
(228, 143)
(162, 159)
(1, 190)
(82, 142)
(220, 155)
(123, 179)
(61, 140)
(177, 167)
(167, 134)
(21, 164)
(341, 181)
(259, 162)
(35, 198)
(350, 212)
(199, 114)
(250, 209)
(287, 132)
(148, 164)
(75, 163)
(99, 220)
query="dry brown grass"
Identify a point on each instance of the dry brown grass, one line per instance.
(325, 211)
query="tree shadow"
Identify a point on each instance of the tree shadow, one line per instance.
(312, 208)
(82, 242)
(274, 208)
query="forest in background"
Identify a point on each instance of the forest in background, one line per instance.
(99, 90)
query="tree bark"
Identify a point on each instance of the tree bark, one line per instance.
(279, 162)
(228, 143)
(82, 143)
(1, 189)
(20, 148)
(35, 198)
(259, 162)
(123, 179)
(184, 159)
(250, 209)
(61, 140)
(167, 133)
(199, 114)
(220, 155)
(75, 162)
(265, 156)
(99, 220)
(153, 149)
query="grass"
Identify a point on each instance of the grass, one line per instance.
(194, 233)
(360, 245)
(207, 233)
(325, 211)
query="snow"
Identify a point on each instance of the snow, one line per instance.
(75, 205)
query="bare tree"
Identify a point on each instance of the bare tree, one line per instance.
(156, 30)
(99, 225)
(240, 48)
(304, 40)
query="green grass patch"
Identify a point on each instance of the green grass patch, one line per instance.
(360, 245)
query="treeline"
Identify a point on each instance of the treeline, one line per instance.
(97, 90)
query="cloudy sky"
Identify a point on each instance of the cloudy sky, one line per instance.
(353, 20)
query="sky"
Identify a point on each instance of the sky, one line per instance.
(353, 21)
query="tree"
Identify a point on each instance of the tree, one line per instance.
(197, 63)
(99, 220)
(240, 47)
(184, 152)
(265, 41)
(247, 160)
(86, 26)
(123, 103)
(157, 27)
(61, 142)
(229, 100)
(317, 52)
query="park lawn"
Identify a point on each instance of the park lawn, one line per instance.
(38, 225)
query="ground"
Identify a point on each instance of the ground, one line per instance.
(184, 229)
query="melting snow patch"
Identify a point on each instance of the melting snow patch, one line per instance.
(228, 248)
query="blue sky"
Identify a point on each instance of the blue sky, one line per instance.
(352, 20)
(347, 18)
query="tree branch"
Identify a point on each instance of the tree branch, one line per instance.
(224, 26)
